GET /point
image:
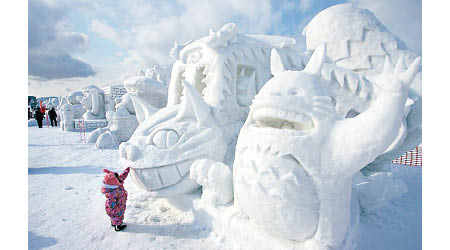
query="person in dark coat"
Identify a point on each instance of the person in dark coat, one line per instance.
(39, 116)
(52, 114)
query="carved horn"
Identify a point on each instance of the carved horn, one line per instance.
(276, 64)
(314, 66)
(142, 108)
(193, 106)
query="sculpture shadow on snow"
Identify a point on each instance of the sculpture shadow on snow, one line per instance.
(66, 170)
(39, 242)
(173, 230)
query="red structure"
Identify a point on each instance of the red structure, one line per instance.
(411, 158)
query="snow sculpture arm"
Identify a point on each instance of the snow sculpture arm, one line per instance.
(215, 179)
(358, 141)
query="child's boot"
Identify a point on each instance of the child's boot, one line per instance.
(120, 227)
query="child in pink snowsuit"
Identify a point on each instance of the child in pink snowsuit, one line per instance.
(116, 197)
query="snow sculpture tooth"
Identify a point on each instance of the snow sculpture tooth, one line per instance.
(169, 175)
(340, 77)
(352, 82)
(150, 177)
(364, 93)
(183, 168)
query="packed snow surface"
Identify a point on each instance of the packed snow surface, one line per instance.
(66, 208)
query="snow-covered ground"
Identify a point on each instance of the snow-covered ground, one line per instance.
(66, 208)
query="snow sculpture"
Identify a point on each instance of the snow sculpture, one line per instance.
(225, 70)
(93, 101)
(149, 87)
(358, 41)
(124, 121)
(73, 109)
(295, 156)
(162, 149)
(122, 124)
(216, 181)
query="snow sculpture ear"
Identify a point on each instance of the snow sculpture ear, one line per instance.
(276, 64)
(95, 101)
(314, 66)
(193, 106)
(142, 108)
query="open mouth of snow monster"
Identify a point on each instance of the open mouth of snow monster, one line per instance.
(278, 119)
(154, 179)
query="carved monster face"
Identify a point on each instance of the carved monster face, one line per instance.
(227, 69)
(167, 142)
(288, 120)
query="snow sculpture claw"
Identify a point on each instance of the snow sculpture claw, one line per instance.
(215, 179)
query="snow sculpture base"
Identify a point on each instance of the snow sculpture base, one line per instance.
(90, 124)
(229, 223)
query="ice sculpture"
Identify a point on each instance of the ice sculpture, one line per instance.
(71, 110)
(225, 70)
(93, 101)
(124, 121)
(295, 156)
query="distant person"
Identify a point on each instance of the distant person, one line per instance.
(39, 117)
(116, 197)
(53, 115)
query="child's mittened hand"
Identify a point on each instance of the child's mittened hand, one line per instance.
(106, 171)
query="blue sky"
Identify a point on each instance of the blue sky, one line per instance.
(75, 43)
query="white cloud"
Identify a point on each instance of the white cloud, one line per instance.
(305, 5)
(105, 31)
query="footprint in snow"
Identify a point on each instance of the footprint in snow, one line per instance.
(69, 188)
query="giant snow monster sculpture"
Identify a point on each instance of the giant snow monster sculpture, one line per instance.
(72, 109)
(295, 156)
(225, 70)
(93, 101)
(124, 121)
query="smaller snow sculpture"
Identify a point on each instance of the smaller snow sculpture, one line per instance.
(124, 121)
(216, 181)
(295, 156)
(121, 125)
(71, 110)
(93, 101)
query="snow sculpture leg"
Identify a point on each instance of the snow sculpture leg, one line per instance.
(216, 181)
(311, 151)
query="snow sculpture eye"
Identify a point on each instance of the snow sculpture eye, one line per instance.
(165, 138)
